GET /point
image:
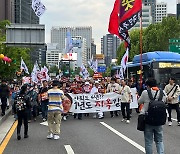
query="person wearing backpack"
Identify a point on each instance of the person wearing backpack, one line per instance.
(155, 110)
(173, 91)
(22, 103)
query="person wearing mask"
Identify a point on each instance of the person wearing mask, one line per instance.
(173, 91)
(125, 93)
(113, 87)
(55, 109)
(95, 90)
(4, 95)
(43, 99)
(22, 103)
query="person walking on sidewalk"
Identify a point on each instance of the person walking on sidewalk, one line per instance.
(55, 108)
(22, 103)
(4, 95)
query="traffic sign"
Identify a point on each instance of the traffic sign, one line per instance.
(174, 40)
(174, 48)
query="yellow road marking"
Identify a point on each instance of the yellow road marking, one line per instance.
(8, 137)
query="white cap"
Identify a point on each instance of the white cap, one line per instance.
(86, 83)
(96, 82)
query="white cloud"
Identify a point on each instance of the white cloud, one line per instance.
(93, 13)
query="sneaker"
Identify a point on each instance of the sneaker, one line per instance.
(56, 137)
(50, 136)
(178, 124)
(26, 136)
(170, 123)
(123, 120)
(64, 118)
(127, 121)
(100, 117)
(18, 136)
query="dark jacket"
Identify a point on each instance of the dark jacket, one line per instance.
(4, 91)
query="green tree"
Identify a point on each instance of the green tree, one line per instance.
(8, 71)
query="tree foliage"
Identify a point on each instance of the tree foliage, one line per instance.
(8, 71)
(155, 38)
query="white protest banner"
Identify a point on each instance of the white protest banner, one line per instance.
(134, 103)
(90, 103)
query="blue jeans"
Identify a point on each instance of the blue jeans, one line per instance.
(157, 133)
(44, 106)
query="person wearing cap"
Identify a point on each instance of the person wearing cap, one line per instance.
(95, 90)
(55, 108)
(87, 89)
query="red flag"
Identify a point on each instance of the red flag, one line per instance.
(124, 16)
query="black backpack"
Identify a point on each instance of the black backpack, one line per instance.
(156, 113)
(20, 103)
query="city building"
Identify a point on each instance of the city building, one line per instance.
(161, 11)
(109, 46)
(24, 13)
(7, 10)
(93, 48)
(58, 35)
(146, 17)
(52, 54)
(178, 9)
(152, 4)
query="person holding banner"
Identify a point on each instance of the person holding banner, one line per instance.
(95, 90)
(113, 87)
(78, 90)
(125, 93)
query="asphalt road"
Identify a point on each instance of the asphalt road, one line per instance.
(91, 136)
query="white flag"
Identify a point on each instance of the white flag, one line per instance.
(124, 60)
(38, 7)
(93, 65)
(24, 67)
(84, 73)
(35, 73)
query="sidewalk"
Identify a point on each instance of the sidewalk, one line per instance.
(8, 113)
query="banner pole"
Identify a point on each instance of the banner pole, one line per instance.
(141, 67)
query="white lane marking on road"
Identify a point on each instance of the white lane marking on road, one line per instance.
(69, 149)
(174, 119)
(124, 137)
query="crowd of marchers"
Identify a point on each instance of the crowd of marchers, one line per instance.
(46, 100)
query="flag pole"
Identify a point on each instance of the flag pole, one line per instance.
(141, 67)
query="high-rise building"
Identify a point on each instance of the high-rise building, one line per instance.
(58, 35)
(93, 48)
(161, 11)
(24, 13)
(7, 10)
(178, 9)
(146, 17)
(151, 3)
(109, 46)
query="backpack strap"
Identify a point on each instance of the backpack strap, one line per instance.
(160, 95)
(171, 89)
(151, 96)
(174, 91)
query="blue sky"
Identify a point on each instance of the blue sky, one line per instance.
(93, 13)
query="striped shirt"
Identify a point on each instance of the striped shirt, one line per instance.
(55, 100)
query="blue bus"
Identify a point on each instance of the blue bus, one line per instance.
(158, 64)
